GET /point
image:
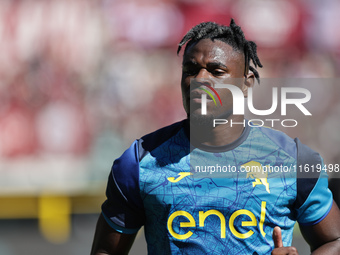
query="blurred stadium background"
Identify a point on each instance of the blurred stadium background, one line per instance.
(81, 79)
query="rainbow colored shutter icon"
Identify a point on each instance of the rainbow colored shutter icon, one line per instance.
(211, 95)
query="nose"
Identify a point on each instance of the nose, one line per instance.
(203, 73)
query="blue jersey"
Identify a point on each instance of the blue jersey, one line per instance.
(207, 199)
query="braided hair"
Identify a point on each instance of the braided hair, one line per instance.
(232, 35)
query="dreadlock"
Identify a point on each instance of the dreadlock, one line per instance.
(232, 35)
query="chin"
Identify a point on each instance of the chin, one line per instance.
(201, 120)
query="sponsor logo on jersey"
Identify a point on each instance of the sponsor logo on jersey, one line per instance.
(202, 215)
(181, 176)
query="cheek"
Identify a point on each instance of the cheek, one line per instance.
(225, 95)
(226, 98)
(185, 83)
(184, 90)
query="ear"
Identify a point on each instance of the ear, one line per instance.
(249, 81)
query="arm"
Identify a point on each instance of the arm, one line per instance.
(324, 237)
(108, 241)
(123, 208)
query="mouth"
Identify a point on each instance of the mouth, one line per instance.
(196, 96)
(197, 90)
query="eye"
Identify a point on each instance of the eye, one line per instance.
(217, 72)
(190, 70)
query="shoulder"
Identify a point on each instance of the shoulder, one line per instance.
(313, 197)
(155, 139)
(139, 148)
(311, 176)
(124, 207)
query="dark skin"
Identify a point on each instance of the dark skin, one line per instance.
(210, 60)
(108, 241)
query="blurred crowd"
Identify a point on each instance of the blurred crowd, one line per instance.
(75, 72)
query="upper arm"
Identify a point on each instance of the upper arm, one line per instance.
(123, 209)
(109, 241)
(122, 212)
(317, 213)
(325, 231)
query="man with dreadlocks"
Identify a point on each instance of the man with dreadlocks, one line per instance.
(154, 184)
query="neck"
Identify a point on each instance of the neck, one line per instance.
(220, 135)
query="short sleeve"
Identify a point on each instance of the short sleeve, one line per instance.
(123, 210)
(318, 203)
(314, 199)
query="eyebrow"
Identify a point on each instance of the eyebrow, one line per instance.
(217, 64)
(189, 62)
(210, 64)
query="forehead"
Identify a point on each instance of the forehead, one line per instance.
(216, 50)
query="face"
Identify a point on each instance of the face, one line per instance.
(204, 63)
